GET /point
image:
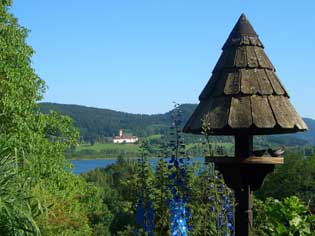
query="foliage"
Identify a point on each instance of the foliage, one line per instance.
(220, 197)
(214, 214)
(161, 195)
(99, 124)
(105, 150)
(45, 192)
(71, 207)
(119, 192)
(112, 151)
(16, 216)
(120, 189)
(295, 177)
(178, 179)
(144, 208)
(288, 217)
(206, 202)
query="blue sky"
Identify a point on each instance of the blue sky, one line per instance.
(141, 55)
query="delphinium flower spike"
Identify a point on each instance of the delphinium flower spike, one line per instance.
(220, 196)
(179, 213)
(144, 207)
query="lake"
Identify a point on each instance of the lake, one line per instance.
(81, 166)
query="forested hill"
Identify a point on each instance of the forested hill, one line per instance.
(95, 123)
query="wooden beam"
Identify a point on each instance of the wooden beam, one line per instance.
(250, 160)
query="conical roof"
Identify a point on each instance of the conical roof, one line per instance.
(244, 93)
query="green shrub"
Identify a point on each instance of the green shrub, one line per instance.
(16, 216)
(289, 217)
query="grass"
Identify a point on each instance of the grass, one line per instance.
(113, 151)
(108, 150)
(105, 146)
(105, 151)
(155, 136)
(225, 145)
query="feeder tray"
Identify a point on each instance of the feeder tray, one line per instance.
(265, 160)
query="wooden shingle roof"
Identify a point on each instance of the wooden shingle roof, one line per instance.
(244, 92)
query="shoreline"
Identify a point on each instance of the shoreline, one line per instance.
(116, 158)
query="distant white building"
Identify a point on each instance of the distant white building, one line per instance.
(125, 138)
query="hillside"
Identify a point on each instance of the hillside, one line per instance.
(97, 123)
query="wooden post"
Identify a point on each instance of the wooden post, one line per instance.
(243, 211)
(243, 145)
(243, 192)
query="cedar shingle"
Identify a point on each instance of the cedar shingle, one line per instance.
(220, 84)
(240, 113)
(275, 83)
(281, 112)
(249, 82)
(264, 84)
(251, 57)
(263, 60)
(240, 57)
(261, 112)
(233, 83)
(244, 93)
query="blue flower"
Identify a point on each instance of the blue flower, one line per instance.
(219, 225)
(230, 226)
(178, 217)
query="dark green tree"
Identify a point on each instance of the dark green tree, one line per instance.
(37, 143)
(295, 177)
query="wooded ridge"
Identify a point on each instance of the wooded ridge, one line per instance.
(99, 124)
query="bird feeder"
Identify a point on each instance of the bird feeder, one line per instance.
(244, 97)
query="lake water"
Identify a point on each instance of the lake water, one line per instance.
(81, 166)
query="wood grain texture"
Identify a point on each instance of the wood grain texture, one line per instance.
(240, 57)
(256, 42)
(226, 60)
(249, 160)
(300, 124)
(262, 113)
(275, 82)
(281, 112)
(265, 87)
(220, 84)
(244, 93)
(194, 122)
(251, 57)
(233, 83)
(262, 58)
(206, 92)
(245, 40)
(240, 113)
(249, 83)
(219, 112)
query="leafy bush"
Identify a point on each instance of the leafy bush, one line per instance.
(16, 216)
(71, 207)
(120, 188)
(289, 217)
(295, 177)
(35, 185)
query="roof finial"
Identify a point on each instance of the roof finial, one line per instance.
(242, 27)
(243, 16)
